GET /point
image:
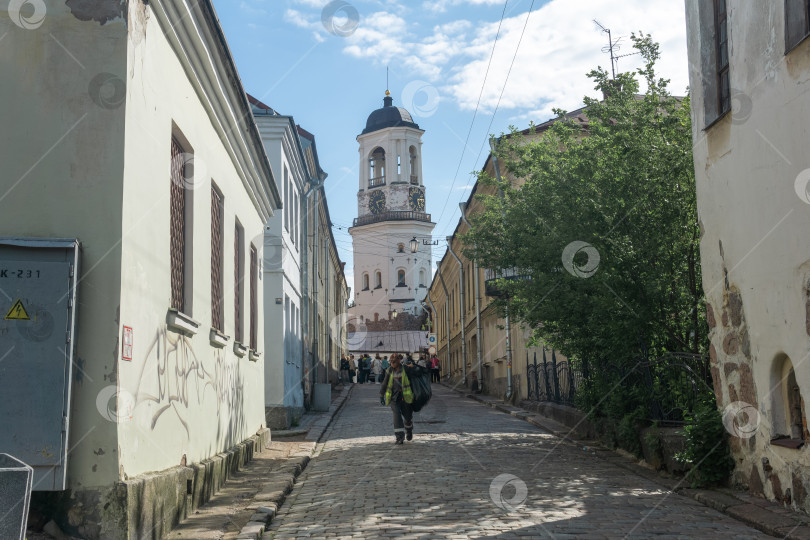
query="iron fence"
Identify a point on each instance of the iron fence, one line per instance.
(674, 383)
(552, 380)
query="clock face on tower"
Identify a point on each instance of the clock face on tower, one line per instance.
(416, 198)
(376, 202)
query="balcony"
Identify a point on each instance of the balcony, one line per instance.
(391, 216)
(414, 180)
(495, 279)
(377, 181)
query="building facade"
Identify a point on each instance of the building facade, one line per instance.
(283, 249)
(388, 277)
(149, 159)
(325, 288)
(748, 63)
(470, 332)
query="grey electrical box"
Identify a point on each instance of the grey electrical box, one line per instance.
(38, 278)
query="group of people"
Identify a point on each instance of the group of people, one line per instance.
(366, 369)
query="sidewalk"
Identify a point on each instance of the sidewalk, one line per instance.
(248, 502)
(769, 517)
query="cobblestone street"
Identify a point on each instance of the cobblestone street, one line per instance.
(441, 484)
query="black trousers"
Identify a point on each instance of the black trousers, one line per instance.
(402, 411)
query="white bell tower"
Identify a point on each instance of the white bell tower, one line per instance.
(390, 212)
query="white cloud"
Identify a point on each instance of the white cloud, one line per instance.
(440, 6)
(559, 46)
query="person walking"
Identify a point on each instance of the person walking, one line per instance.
(396, 392)
(344, 370)
(376, 368)
(434, 369)
(366, 363)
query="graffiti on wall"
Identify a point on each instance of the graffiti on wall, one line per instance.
(175, 380)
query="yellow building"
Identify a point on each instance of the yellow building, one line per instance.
(466, 318)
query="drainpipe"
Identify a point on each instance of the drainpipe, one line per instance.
(446, 310)
(462, 306)
(492, 145)
(314, 186)
(478, 344)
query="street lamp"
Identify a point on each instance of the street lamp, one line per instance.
(414, 244)
(394, 314)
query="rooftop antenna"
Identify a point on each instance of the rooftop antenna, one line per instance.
(387, 93)
(612, 47)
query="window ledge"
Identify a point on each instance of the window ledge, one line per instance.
(239, 349)
(378, 287)
(717, 120)
(217, 338)
(180, 322)
(784, 442)
(254, 356)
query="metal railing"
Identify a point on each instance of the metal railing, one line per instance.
(552, 381)
(391, 216)
(376, 181)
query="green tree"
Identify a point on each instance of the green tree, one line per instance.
(623, 186)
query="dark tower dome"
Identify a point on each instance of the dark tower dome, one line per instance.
(389, 116)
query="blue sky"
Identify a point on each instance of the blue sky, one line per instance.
(325, 62)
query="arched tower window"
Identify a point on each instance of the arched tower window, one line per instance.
(377, 280)
(422, 277)
(400, 248)
(789, 420)
(400, 278)
(376, 167)
(365, 282)
(414, 168)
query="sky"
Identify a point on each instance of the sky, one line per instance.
(464, 69)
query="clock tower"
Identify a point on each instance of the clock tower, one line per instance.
(390, 212)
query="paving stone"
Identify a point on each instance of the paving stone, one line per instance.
(359, 484)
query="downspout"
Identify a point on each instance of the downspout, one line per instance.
(446, 312)
(478, 344)
(462, 306)
(497, 168)
(314, 186)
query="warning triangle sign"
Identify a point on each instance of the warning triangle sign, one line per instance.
(17, 312)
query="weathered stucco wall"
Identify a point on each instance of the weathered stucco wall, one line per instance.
(62, 177)
(183, 399)
(754, 211)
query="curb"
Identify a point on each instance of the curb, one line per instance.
(758, 513)
(273, 494)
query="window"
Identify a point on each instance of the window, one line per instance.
(721, 36)
(295, 218)
(217, 259)
(422, 277)
(789, 420)
(400, 248)
(399, 165)
(797, 22)
(377, 280)
(376, 167)
(238, 280)
(365, 282)
(400, 278)
(180, 217)
(286, 199)
(254, 297)
(413, 165)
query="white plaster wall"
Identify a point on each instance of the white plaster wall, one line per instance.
(190, 400)
(375, 248)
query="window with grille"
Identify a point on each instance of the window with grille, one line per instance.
(217, 259)
(177, 226)
(721, 35)
(238, 278)
(797, 22)
(254, 298)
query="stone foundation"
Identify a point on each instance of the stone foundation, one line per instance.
(280, 417)
(147, 506)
